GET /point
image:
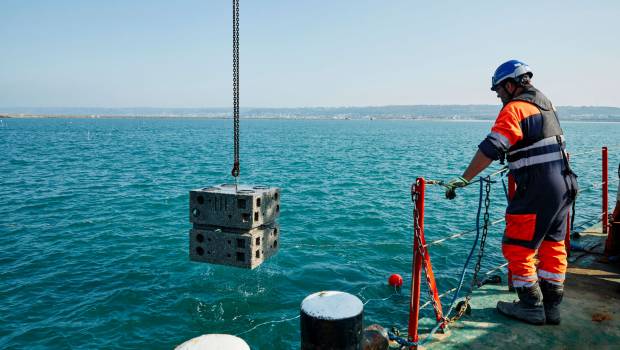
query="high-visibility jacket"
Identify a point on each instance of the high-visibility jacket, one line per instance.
(527, 132)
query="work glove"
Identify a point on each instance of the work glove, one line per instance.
(453, 184)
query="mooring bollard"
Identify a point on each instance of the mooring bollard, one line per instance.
(214, 342)
(331, 320)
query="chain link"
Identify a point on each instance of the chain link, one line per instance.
(462, 308)
(485, 230)
(235, 171)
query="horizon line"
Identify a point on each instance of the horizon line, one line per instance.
(294, 107)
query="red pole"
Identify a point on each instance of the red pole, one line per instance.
(605, 220)
(416, 282)
(568, 233)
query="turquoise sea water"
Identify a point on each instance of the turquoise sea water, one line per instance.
(94, 223)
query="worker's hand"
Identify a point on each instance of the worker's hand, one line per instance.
(453, 184)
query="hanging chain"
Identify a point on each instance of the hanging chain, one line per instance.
(235, 169)
(421, 250)
(485, 230)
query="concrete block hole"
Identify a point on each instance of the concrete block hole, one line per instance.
(241, 203)
(240, 243)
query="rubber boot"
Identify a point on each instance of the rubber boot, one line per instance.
(529, 308)
(552, 297)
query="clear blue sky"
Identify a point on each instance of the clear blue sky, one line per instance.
(163, 53)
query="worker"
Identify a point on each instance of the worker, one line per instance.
(528, 135)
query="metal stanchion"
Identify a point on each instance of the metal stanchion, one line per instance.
(605, 221)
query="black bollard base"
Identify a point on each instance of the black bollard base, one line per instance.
(331, 320)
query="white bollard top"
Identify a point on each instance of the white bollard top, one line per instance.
(214, 342)
(332, 305)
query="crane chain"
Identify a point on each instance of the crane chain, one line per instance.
(235, 170)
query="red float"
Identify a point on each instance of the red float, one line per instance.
(395, 280)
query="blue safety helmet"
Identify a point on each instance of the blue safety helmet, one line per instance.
(511, 69)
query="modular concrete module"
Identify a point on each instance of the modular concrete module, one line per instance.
(234, 225)
(239, 248)
(243, 207)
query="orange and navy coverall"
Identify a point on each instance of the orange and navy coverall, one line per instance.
(528, 134)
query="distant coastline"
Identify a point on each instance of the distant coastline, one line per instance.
(413, 112)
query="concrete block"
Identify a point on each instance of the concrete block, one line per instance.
(243, 207)
(240, 248)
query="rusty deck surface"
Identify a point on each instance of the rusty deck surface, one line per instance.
(590, 310)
